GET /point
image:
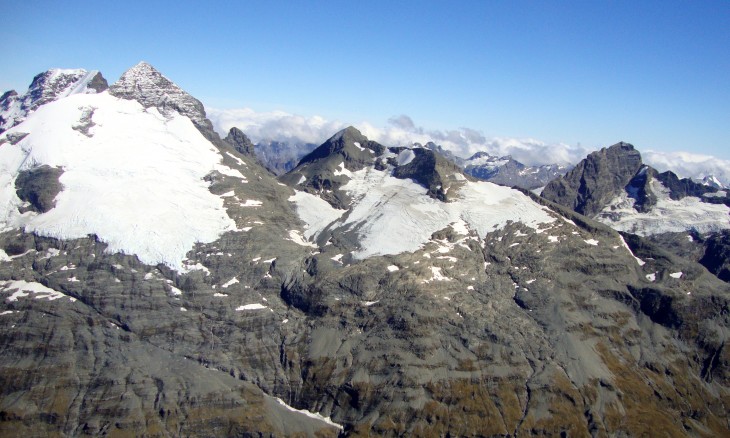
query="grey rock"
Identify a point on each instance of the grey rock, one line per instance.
(716, 257)
(98, 83)
(240, 142)
(39, 187)
(596, 180)
(432, 171)
(149, 87)
(319, 171)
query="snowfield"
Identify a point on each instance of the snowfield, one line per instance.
(668, 215)
(392, 215)
(135, 179)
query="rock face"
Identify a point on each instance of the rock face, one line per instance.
(39, 187)
(149, 87)
(325, 169)
(687, 218)
(430, 170)
(385, 292)
(596, 180)
(240, 142)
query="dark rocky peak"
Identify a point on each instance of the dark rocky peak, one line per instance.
(430, 169)
(325, 169)
(349, 144)
(55, 83)
(443, 152)
(47, 87)
(596, 180)
(682, 187)
(240, 142)
(639, 188)
(710, 181)
(149, 87)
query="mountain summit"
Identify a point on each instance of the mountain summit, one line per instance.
(149, 87)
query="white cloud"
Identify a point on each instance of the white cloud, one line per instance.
(400, 130)
(274, 125)
(689, 164)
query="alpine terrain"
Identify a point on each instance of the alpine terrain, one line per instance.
(157, 280)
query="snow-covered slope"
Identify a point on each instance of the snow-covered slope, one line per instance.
(46, 87)
(390, 215)
(131, 175)
(667, 215)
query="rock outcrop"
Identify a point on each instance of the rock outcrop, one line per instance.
(596, 180)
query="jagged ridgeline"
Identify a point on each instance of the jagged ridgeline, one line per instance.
(157, 280)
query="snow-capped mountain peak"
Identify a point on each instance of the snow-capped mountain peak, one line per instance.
(122, 169)
(46, 87)
(712, 181)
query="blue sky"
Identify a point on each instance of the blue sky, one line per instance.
(591, 72)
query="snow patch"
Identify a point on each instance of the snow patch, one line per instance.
(316, 213)
(437, 275)
(676, 275)
(342, 170)
(309, 414)
(251, 203)
(593, 242)
(230, 282)
(22, 288)
(405, 157)
(255, 306)
(626, 245)
(393, 268)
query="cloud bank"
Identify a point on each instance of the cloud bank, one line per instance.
(689, 164)
(399, 131)
(402, 130)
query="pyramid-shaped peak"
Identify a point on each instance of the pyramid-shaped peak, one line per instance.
(148, 86)
(347, 133)
(142, 74)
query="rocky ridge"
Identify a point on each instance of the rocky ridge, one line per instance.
(47, 87)
(509, 315)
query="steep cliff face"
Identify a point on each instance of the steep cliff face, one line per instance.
(596, 180)
(370, 291)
